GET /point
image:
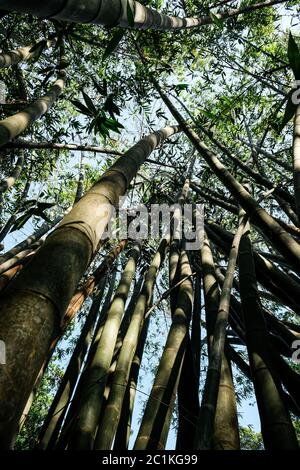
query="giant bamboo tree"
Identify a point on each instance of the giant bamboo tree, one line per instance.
(115, 12)
(277, 429)
(12, 126)
(205, 427)
(225, 433)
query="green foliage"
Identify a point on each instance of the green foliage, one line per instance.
(294, 56)
(27, 438)
(251, 440)
(216, 20)
(113, 43)
(99, 122)
(36, 208)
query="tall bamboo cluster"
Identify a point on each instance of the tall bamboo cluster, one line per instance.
(225, 276)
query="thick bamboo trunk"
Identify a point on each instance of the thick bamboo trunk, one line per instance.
(187, 400)
(225, 432)
(23, 54)
(88, 288)
(70, 417)
(296, 159)
(277, 428)
(7, 183)
(122, 436)
(155, 423)
(196, 327)
(114, 12)
(14, 125)
(205, 427)
(58, 408)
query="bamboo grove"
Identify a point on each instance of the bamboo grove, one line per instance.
(199, 98)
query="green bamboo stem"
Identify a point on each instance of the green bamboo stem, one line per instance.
(155, 423)
(277, 428)
(110, 420)
(94, 382)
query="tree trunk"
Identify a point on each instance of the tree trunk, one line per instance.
(12, 126)
(155, 423)
(70, 417)
(225, 433)
(122, 436)
(24, 53)
(7, 183)
(205, 427)
(277, 428)
(296, 159)
(58, 408)
(114, 12)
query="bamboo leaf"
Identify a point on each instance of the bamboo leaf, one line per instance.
(130, 14)
(207, 114)
(99, 88)
(39, 46)
(294, 56)
(217, 21)
(81, 108)
(111, 107)
(113, 43)
(181, 86)
(289, 113)
(21, 221)
(89, 103)
(45, 205)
